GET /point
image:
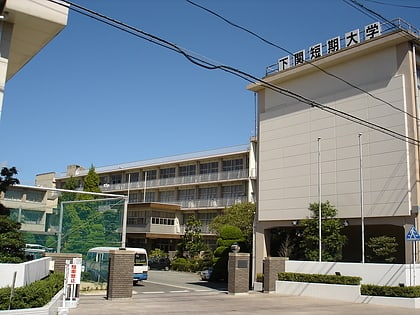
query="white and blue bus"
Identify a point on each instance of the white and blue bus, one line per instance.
(97, 261)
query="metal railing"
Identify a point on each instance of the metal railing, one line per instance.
(180, 180)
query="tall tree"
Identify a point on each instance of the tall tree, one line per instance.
(12, 243)
(90, 183)
(191, 240)
(332, 240)
(239, 215)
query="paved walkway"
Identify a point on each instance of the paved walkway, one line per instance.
(205, 303)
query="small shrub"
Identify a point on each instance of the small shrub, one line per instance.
(318, 278)
(36, 294)
(260, 277)
(193, 264)
(393, 291)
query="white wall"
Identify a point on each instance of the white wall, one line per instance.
(379, 274)
(27, 272)
(288, 159)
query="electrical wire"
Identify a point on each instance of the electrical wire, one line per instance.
(241, 74)
(308, 62)
(395, 5)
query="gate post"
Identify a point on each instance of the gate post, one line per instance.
(120, 275)
(238, 273)
(271, 268)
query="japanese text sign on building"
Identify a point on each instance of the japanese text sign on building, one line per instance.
(332, 45)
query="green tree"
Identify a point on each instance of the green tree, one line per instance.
(240, 215)
(84, 226)
(12, 243)
(191, 240)
(381, 249)
(227, 237)
(332, 240)
(90, 184)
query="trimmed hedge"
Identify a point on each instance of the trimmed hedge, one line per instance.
(318, 278)
(376, 290)
(36, 294)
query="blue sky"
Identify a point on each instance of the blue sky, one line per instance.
(96, 95)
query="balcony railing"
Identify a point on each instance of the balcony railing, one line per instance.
(180, 180)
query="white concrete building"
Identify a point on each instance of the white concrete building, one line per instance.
(381, 67)
(26, 26)
(164, 192)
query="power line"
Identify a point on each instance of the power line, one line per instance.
(395, 5)
(308, 62)
(241, 74)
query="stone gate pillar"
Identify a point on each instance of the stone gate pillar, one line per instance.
(271, 268)
(120, 275)
(238, 273)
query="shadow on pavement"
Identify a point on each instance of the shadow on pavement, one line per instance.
(221, 286)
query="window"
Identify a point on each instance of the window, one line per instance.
(32, 217)
(167, 172)
(207, 168)
(233, 191)
(135, 217)
(233, 165)
(35, 196)
(163, 221)
(167, 196)
(186, 194)
(208, 193)
(103, 180)
(116, 179)
(133, 198)
(163, 218)
(13, 195)
(150, 196)
(132, 177)
(187, 170)
(149, 175)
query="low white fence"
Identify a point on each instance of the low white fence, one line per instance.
(379, 274)
(26, 272)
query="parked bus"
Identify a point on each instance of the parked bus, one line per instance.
(35, 251)
(97, 261)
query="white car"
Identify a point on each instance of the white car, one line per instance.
(206, 273)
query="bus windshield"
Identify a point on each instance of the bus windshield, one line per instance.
(140, 259)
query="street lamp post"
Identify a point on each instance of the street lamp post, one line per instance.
(319, 201)
(362, 216)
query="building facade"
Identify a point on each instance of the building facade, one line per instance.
(26, 27)
(163, 193)
(341, 124)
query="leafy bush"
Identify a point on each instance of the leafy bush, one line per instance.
(37, 294)
(376, 290)
(318, 278)
(188, 264)
(260, 277)
(229, 232)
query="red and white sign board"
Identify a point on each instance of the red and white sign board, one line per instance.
(74, 273)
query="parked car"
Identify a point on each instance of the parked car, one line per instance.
(206, 273)
(159, 263)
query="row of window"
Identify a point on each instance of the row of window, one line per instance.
(30, 195)
(206, 193)
(170, 172)
(138, 217)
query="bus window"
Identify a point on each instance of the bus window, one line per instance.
(140, 260)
